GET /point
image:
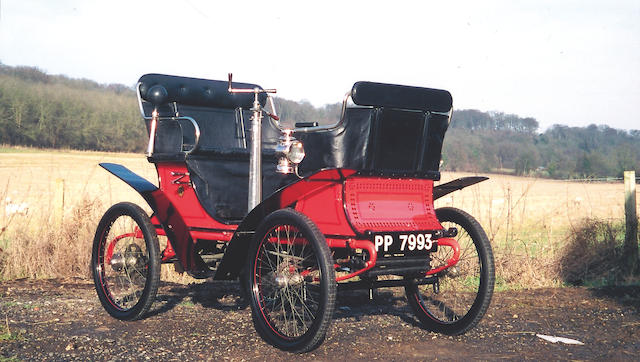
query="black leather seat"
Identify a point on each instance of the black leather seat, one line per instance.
(380, 141)
(219, 167)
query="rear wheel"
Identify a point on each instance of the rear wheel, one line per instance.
(291, 282)
(126, 261)
(461, 293)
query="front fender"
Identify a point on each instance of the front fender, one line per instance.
(163, 209)
(144, 187)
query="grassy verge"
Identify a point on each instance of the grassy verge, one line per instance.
(530, 222)
(14, 149)
(589, 254)
(31, 248)
(35, 249)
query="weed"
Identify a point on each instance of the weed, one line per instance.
(5, 332)
(187, 304)
(594, 254)
(501, 284)
(6, 336)
(46, 252)
(9, 359)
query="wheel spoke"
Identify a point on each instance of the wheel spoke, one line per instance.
(126, 282)
(287, 302)
(292, 299)
(464, 290)
(126, 261)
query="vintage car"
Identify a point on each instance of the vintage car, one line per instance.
(296, 213)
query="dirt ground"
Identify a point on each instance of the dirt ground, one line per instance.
(63, 320)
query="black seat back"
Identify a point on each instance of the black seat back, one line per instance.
(199, 92)
(396, 130)
(219, 166)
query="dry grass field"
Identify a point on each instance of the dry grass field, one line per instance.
(529, 210)
(28, 176)
(527, 219)
(531, 222)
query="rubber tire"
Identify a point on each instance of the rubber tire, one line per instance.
(487, 278)
(328, 287)
(151, 241)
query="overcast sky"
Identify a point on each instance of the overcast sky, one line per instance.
(568, 62)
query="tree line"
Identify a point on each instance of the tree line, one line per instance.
(55, 111)
(41, 110)
(558, 152)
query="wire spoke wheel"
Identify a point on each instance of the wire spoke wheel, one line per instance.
(125, 261)
(291, 282)
(462, 293)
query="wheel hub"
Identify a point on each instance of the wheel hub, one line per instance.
(131, 257)
(452, 272)
(117, 262)
(286, 279)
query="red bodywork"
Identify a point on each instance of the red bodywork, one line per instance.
(343, 204)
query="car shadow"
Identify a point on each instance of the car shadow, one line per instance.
(220, 295)
(230, 296)
(355, 304)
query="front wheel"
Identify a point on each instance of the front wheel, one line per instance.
(291, 282)
(457, 297)
(126, 261)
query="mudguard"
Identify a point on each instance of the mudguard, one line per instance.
(455, 185)
(166, 213)
(130, 178)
